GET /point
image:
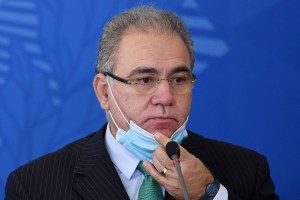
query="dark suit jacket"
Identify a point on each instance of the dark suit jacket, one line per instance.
(84, 170)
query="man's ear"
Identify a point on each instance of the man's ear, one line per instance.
(101, 90)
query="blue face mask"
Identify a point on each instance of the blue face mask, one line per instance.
(140, 142)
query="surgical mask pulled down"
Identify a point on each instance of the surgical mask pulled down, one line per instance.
(137, 140)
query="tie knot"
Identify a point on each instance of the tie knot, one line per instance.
(141, 168)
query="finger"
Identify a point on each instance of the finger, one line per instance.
(161, 167)
(157, 163)
(154, 173)
(161, 139)
(160, 157)
(170, 182)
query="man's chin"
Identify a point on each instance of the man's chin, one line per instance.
(165, 131)
(165, 126)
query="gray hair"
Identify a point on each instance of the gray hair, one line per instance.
(141, 18)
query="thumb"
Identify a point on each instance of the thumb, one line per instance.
(161, 139)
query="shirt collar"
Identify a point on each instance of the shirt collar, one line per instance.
(124, 160)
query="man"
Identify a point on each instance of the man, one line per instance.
(144, 83)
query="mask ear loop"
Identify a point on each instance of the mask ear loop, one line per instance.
(184, 123)
(113, 119)
(180, 128)
(113, 97)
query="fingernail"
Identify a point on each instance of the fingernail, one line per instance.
(145, 163)
(156, 135)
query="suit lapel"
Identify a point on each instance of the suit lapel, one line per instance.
(196, 147)
(97, 176)
(199, 147)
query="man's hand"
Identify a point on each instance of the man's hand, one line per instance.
(195, 174)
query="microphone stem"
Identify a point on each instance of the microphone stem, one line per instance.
(182, 182)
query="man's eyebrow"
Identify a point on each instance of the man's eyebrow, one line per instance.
(148, 70)
(143, 70)
(182, 68)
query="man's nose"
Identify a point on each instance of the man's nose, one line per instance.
(163, 93)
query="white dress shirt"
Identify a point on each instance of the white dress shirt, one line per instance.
(126, 163)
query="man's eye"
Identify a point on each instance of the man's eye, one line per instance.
(179, 80)
(145, 80)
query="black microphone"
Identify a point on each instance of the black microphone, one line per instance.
(173, 152)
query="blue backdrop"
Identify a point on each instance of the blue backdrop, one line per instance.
(248, 68)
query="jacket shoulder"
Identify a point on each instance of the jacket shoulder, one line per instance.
(54, 171)
(69, 150)
(213, 146)
(61, 162)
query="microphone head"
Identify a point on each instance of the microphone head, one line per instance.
(172, 148)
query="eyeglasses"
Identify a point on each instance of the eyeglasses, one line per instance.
(180, 83)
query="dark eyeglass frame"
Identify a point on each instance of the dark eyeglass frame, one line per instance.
(132, 83)
(118, 78)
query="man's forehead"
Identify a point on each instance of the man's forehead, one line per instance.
(147, 52)
(153, 70)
